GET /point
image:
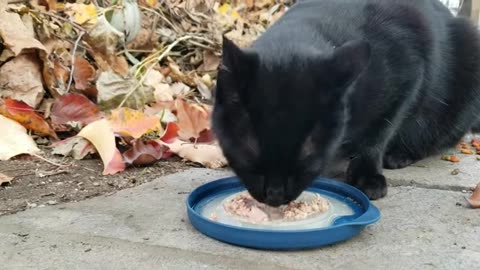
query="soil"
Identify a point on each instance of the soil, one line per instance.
(37, 183)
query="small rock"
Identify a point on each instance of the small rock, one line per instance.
(464, 191)
(458, 204)
(51, 202)
(146, 238)
(88, 250)
(455, 172)
(43, 183)
(53, 246)
(79, 183)
(464, 247)
(92, 177)
(31, 205)
(96, 184)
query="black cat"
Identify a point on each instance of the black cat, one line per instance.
(384, 82)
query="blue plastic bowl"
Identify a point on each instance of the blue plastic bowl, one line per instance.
(342, 228)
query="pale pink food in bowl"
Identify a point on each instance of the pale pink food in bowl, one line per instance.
(247, 208)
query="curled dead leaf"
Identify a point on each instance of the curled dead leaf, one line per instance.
(100, 134)
(474, 199)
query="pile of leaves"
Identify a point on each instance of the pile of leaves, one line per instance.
(129, 81)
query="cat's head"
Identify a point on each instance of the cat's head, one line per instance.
(278, 120)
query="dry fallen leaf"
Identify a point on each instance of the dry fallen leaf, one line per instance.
(474, 200)
(100, 134)
(112, 89)
(74, 108)
(55, 75)
(15, 35)
(209, 155)
(83, 73)
(144, 152)
(5, 179)
(192, 119)
(77, 147)
(26, 116)
(132, 123)
(21, 79)
(14, 140)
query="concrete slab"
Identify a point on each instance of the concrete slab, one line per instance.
(147, 228)
(436, 173)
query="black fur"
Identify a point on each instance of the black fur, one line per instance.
(384, 82)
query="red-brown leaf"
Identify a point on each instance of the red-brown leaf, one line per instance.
(83, 73)
(144, 152)
(74, 107)
(192, 119)
(171, 132)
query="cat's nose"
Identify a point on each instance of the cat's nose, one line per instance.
(275, 196)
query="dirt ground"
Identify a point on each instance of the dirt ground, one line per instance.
(38, 183)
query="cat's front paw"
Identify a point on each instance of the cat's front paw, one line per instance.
(375, 187)
(396, 161)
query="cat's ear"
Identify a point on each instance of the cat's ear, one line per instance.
(236, 60)
(349, 61)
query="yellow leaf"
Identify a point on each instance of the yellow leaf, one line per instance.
(82, 14)
(226, 9)
(128, 122)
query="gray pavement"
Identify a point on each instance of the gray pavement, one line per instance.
(425, 225)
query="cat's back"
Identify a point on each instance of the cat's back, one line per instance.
(341, 20)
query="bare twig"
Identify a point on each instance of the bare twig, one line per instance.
(159, 58)
(49, 161)
(70, 79)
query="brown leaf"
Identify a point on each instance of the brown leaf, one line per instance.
(144, 152)
(474, 199)
(55, 75)
(83, 73)
(21, 79)
(192, 119)
(74, 108)
(16, 36)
